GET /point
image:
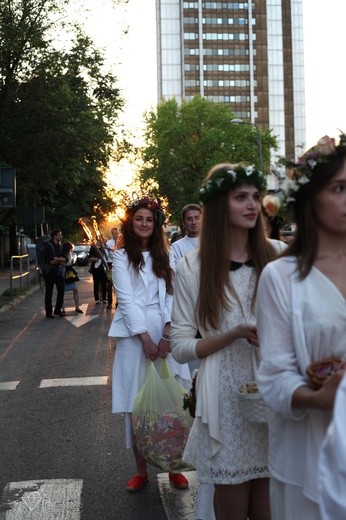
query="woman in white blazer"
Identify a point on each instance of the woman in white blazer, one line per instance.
(143, 279)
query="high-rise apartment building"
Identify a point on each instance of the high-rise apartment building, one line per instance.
(246, 54)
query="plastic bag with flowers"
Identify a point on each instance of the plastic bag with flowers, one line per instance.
(160, 425)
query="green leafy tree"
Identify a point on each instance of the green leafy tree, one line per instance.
(59, 110)
(183, 141)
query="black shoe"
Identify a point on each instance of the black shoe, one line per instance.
(62, 314)
(79, 311)
(50, 316)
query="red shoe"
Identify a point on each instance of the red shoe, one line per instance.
(178, 480)
(136, 483)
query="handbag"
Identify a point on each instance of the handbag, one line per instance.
(71, 275)
(160, 425)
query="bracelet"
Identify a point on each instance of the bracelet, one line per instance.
(166, 336)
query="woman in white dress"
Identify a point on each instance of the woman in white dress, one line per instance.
(143, 279)
(214, 293)
(301, 318)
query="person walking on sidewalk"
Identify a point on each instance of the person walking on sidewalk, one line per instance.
(67, 251)
(54, 274)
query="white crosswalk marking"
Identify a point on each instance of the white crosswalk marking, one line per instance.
(74, 381)
(42, 500)
(78, 320)
(65, 381)
(9, 385)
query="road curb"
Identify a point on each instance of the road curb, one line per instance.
(18, 300)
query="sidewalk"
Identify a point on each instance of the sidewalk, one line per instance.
(17, 283)
(5, 278)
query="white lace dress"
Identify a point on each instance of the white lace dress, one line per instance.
(244, 452)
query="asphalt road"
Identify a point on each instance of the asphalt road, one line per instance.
(62, 452)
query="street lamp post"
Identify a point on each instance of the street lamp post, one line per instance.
(258, 138)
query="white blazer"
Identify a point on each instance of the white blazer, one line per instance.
(132, 293)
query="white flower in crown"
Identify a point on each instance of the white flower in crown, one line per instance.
(289, 185)
(219, 182)
(303, 180)
(312, 163)
(232, 173)
(209, 185)
(249, 170)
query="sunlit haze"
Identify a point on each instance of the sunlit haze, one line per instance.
(132, 57)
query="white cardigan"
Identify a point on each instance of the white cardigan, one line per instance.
(183, 343)
(298, 322)
(129, 318)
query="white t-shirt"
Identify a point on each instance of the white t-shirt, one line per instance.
(183, 246)
(110, 246)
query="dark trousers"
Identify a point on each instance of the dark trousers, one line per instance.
(109, 291)
(51, 279)
(100, 282)
(109, 285)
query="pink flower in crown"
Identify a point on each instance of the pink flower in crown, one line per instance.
(271, 204)
(326, 145)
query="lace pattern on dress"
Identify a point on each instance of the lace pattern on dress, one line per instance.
(244, 455)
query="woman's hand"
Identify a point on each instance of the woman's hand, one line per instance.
(150, 349)
(326, 394)
(164, 347)
(210, 345)
(321, 399)
(248, 332)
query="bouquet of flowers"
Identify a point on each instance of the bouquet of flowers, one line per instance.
(248, 388)
(160, 425)
(319, 371)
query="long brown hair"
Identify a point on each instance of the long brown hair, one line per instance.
(157, 245)
(215, 256)
(304, 245)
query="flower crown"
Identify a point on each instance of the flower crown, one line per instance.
(300, 173)
(229, 178)
(150, 203)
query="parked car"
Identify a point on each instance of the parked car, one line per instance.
(31, 249)
(81, 253)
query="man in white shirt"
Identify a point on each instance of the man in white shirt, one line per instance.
(191, 218)
(110, 246)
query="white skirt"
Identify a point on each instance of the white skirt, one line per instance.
(287, 502)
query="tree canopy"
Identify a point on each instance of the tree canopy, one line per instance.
(58, 108)
(183, 141)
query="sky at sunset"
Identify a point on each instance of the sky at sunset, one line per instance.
(132, 57)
